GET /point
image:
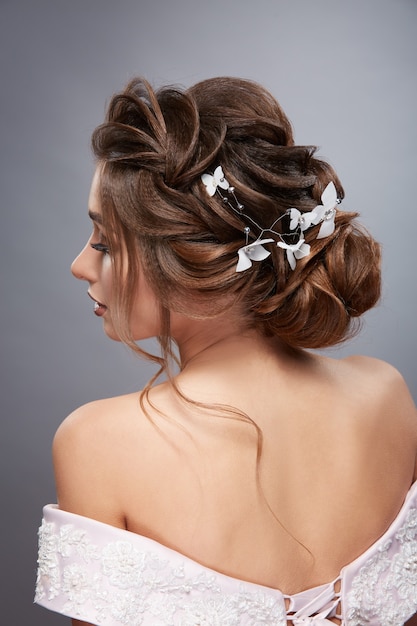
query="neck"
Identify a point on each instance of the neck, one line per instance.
(197, 339)
(223, 344)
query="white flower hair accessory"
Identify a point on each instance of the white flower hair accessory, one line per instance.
(326, 212)
(323, 214)
(295, 251)
(212, 181)
(252, 252)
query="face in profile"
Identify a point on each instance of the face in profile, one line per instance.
(95, 265)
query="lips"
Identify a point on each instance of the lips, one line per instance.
(99, 307)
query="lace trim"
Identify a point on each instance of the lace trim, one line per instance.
(119, 584)
(384, 591)
(116, 583)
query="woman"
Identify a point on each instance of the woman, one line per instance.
(260, 483)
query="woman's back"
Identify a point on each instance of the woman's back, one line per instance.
(338, 456)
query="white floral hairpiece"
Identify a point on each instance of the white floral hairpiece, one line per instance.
(323, 214)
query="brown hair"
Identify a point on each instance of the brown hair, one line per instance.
(153, 148)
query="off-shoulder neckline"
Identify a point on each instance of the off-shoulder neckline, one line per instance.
(351, 566)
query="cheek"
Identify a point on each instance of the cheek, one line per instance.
(145, 320)
(107, 276)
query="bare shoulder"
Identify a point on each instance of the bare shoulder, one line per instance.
(390, 415)
(89, 448)
(94, 426)
(99, 415)
(380, 380)
(372, 365)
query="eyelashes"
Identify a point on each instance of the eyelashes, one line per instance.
(100, 247)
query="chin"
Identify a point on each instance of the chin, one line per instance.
(110, 331)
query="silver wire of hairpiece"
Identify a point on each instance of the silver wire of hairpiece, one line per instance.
(295, 249)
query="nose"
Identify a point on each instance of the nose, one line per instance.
(80, 267)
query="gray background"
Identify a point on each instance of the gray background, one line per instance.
(344, 72)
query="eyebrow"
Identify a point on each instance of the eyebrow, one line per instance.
(95, 217)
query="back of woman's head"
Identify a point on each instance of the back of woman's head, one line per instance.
(153, 150)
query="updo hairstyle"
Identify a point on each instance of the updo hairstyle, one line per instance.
(153, 148)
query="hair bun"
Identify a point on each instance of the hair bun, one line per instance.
(319, 305)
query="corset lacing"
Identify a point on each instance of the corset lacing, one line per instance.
(315, 606)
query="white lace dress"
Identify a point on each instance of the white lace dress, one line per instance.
(108, 576)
